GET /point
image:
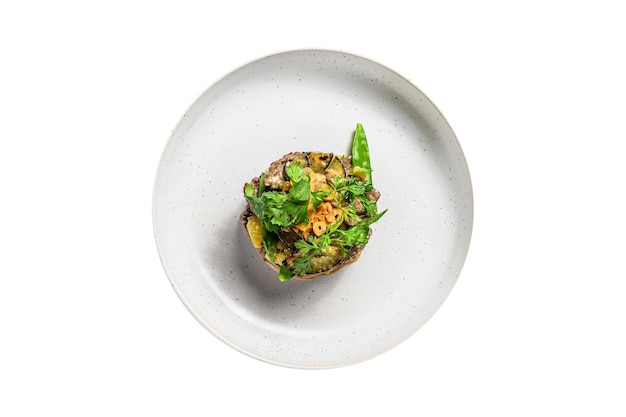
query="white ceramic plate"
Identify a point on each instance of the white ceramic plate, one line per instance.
(311, 100)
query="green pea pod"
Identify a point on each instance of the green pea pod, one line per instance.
(361, 153)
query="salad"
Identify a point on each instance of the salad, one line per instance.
(310, 213)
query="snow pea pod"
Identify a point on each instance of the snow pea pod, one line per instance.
(361, 154)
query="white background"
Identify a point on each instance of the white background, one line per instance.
(89, 93)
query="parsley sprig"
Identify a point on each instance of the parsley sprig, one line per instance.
(307, 250)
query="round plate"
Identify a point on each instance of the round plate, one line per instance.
(311, 100)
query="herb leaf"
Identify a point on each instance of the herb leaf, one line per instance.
(285, 274)
(295, 171)
(276, 209)
(355, 235)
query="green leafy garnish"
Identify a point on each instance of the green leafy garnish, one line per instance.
(276, 209)
(355, 235)
(307, 250)
(285, 274)
(295, 171)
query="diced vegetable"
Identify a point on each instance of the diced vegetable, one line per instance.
(318, 161)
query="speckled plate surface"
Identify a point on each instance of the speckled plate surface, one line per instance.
(310, 101)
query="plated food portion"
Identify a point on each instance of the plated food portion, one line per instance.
(310, 213)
